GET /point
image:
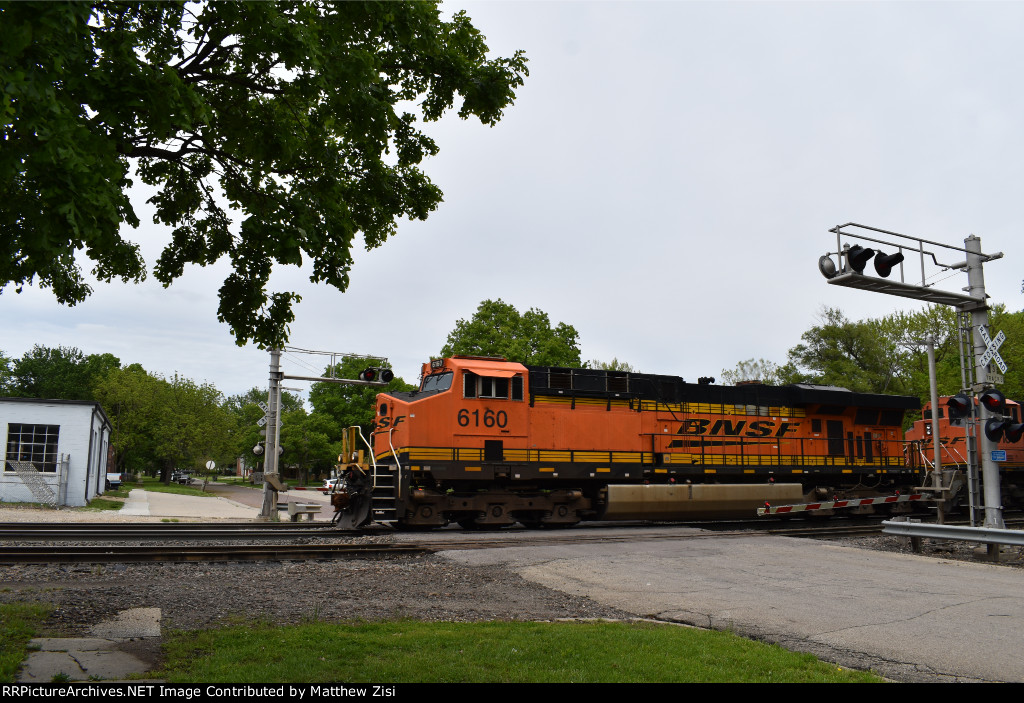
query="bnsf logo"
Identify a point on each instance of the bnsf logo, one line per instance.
(386, 422)
(728, 428)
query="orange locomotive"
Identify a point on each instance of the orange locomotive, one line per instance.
(953, 441)
(485, 441)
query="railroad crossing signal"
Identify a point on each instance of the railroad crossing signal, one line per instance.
(992, 349)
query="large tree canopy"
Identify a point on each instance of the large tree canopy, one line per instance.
(293, 114)
(55, 372)
(497, 329)
(886, 354)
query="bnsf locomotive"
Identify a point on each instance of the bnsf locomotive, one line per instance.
(488, 442)
(953, 449)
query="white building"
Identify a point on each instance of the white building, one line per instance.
(56, 451)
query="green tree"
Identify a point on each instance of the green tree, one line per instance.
(348, 405)
(294, 114)
(193, 426)
(307, 444)
(130, 396)
(6, 379)
(497, 329)
(162, 424)
(254, 396)
(613, 365)
(760, 370)
(864, 356)
(64, 373)
(1012, 351)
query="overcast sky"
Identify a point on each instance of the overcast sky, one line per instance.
(665, 183)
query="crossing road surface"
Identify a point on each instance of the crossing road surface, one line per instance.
(910, 618)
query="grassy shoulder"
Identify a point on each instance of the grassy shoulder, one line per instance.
(157, 486)
(489, 652)
(114, 499)
(19, 623)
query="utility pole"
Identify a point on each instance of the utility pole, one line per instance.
(979, 322)
(270, 473)
(371, 376)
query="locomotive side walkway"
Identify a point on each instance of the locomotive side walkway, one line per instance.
(910, 618)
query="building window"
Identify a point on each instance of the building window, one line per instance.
(35, 443)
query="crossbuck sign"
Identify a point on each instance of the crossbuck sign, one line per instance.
(992, 349)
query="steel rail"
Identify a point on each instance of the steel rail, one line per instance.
(214, 553)
(92, 531)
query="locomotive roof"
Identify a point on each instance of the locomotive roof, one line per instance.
(673, 389)
(553, 380)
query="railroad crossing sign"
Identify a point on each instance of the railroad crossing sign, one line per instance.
(992, 349)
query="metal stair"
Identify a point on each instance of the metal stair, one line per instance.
(382, 506)
(30, 475)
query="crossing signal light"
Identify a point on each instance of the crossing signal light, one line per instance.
(857, 257)
(372, 373)
(885, 262)
(996, 427)
(994, 401)
(959, 406)
(1014, 432)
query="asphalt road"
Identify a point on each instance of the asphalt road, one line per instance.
(911, 618)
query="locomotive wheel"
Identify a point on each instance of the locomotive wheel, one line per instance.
(531, 524)
(470, 523)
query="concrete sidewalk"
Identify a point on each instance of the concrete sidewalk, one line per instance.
(172, 505)
(126, 646)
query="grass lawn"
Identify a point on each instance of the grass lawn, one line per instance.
(19, 623)
(155, 485)
(490, 652)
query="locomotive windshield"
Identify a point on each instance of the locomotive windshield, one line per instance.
(437, 382)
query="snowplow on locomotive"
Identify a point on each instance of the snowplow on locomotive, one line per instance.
(488, 442)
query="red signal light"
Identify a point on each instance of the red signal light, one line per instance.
(994, 401)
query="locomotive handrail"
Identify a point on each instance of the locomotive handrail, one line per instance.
(398, 465)
(373, 461)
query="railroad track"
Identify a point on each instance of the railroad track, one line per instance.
(19, 531)
(110, 554)
(426, 543)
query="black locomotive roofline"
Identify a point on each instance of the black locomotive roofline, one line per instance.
(551, 380)
(599, 383)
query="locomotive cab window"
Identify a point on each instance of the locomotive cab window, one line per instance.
(437, 382)
(498, 387)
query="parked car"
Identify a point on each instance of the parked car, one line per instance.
(181, 477)
(113, 481)
(329, 484)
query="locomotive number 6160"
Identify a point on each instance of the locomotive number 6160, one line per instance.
(488, 418)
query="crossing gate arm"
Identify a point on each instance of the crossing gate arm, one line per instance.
(837, 504)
